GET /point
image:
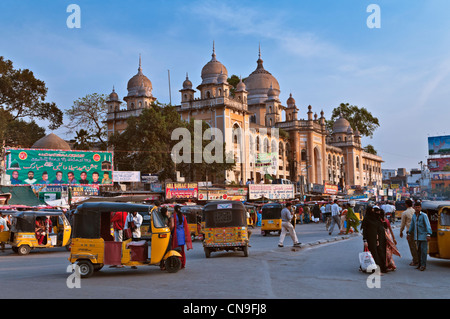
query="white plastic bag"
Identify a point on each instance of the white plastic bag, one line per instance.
(366, 262)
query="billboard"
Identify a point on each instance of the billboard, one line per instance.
(440, 176)
(267, 163)
(439, 145)
(439, 164)
(55, 167)
(271, 191)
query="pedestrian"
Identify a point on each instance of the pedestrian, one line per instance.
(322, 212)
(327, 214)
(420, 230)
(316, 213)
(258, 217)
(391, 248)
(3, 227)
(405, 223)
(300, 213)
(351, 219)
(286, 226)
(134, 222)
(343, 219)
(118, 222)
(306, 214)
(374, 236)
(181, 235)
(335, 219)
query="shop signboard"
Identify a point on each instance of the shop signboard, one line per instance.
(181, 191)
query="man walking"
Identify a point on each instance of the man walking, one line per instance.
(406, 223)
(335, 212)
(286, 226)
(420, 230)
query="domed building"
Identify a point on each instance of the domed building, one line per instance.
(308, 154)
(255, 124)
(51, 141)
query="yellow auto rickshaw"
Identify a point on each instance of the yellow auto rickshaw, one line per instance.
(439, 216)
(93, 246)
(37, 229)
(271, 218)
(225, 227)
(193, 218)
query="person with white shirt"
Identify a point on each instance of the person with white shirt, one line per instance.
(335, 219)
(3, 227)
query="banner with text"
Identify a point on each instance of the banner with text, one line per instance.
(271, 191)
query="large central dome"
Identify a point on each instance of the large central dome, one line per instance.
(213, 69)
(139, 84)
(259, 82)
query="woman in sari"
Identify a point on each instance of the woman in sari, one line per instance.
(391, 248)
(181, 235)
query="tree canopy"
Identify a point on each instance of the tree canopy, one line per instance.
(89, 113)
(22, 95)
(358, 117)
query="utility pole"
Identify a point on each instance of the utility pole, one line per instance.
(170, 94)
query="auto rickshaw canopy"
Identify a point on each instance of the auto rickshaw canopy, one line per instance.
(93, 220)
(25, 221)
(225, 214)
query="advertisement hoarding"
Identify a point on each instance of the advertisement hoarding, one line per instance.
(271, 191)
(439, 164)
(56, 167)
(439, 145)
(127, 176)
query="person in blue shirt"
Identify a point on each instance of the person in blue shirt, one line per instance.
(15, 178)
(420, 230)
(58, 179)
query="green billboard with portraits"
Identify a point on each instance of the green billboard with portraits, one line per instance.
(54, 167)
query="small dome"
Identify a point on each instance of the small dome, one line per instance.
(341, 125)
(212, 70)
(113, 96)
(187, 84)
(222, 78)
(240, 87)
(290, 101)
(51, 141)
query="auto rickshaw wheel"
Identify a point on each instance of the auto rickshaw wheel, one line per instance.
(207, 252)
(173, 264)
(245, 250)
(23, 250)
(86, 268)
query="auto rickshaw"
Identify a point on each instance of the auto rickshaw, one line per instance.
(93, 246)
(400, 207)
(271, 218)
(439, 216)
(225, 227)
(37, 229)
(193, 215)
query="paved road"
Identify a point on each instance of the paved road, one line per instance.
(322, 268)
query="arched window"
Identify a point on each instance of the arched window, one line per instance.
(208, 94)
(303, 155)
(357, 161)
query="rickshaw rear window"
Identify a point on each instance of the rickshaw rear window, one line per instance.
(445, 217)
(271, 213)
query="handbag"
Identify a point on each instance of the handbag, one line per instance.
(366, 261)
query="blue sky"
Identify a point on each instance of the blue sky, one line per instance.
(320, 51)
